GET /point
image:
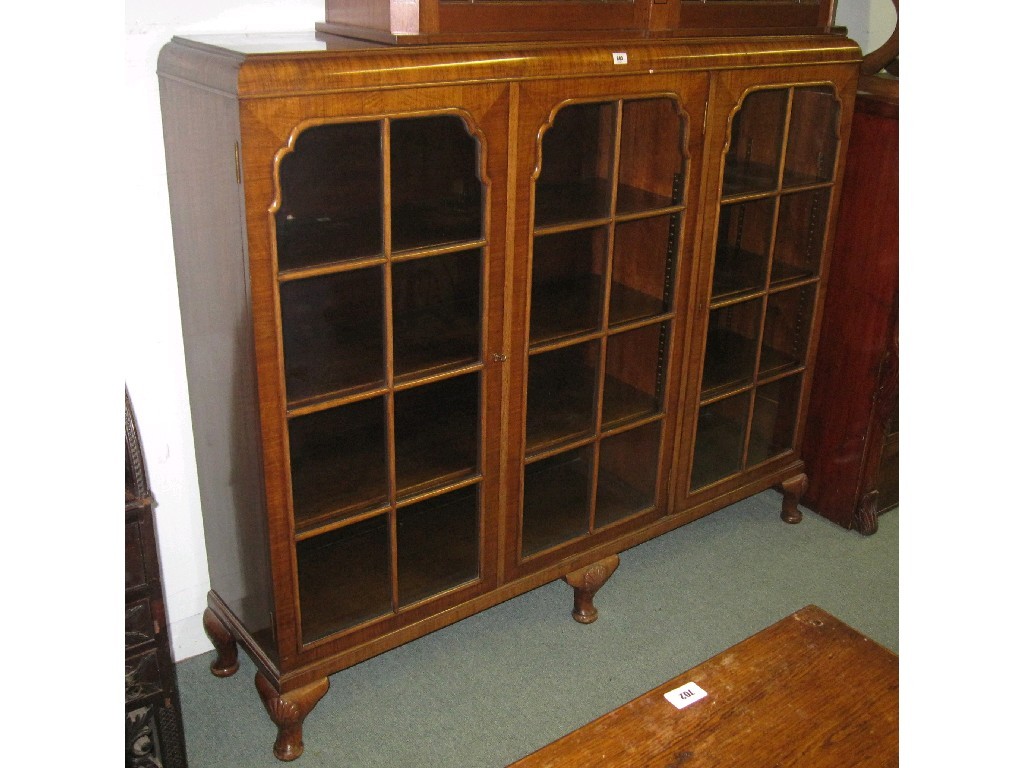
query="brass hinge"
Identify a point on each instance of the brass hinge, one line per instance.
(704, 125)
(238, 165)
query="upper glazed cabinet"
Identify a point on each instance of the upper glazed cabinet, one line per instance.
(421, 21)
(463, 320)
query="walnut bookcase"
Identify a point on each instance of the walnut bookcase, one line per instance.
(460, 321)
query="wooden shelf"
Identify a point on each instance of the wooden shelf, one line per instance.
(327, 239)
(776, 362)
(631, 200)
(628, 474)
(784, 274)
(344, 578)
(628, 305)
(624, 403)
(339, 462)
(718, 447)
(438, 545)
(566, 308)
(728, 362)
(738, 273)
(440, 337)
(569, 202)
(618, 499)
(773, 423)
(556, 500)
(437, 223)
(333, 332)
(437, 433)
(747, 179)
(573, 308)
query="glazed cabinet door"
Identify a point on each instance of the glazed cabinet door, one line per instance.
(602, 267)
(379, 273)
(775, 150)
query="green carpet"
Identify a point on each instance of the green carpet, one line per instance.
(499, 685)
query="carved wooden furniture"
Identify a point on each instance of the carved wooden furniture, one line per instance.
(154, 736)
(808, 690)
(421, 21)
(460, 321)
(852, 443)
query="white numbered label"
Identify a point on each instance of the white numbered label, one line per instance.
(685, 695)
(620, 58)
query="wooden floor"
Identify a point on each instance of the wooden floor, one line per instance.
(807, 691)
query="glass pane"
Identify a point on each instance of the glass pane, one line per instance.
(813, 136)
(718, 449)
(577, 153)
(436, 302)
(775, 409)
(560, 395)
(338, 461)
(732, 345)
(556, 499)
(330, 196)
(633, 374)
(437, 545)
(436, 432)
(344, 577)
(628, 473)
(567, 283)
(800, 236)
(641, 268)
(741, 252)
(436, 196)
(651, 155)
(786, 326)
(333, 329)
(755, 143)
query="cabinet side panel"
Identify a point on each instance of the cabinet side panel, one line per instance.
(200, 131)
(858, 323)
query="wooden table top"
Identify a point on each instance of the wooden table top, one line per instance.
(807, 691)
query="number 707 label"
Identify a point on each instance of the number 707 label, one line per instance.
(685, 695)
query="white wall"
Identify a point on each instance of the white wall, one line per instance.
(868, 22)
(154, 362)
(153, 357)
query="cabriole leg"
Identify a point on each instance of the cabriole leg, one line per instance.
(288, 711)
(865, 520)
(226, 663)
(792, 490)
(585, 583)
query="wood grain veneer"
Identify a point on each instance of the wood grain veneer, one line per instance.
(808, 690)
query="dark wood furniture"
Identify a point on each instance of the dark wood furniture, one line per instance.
(154, 736)
(808, 690)
(460, 321)
(852, 442)
(435, 21)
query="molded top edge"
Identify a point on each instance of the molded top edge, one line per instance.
(274, 65)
